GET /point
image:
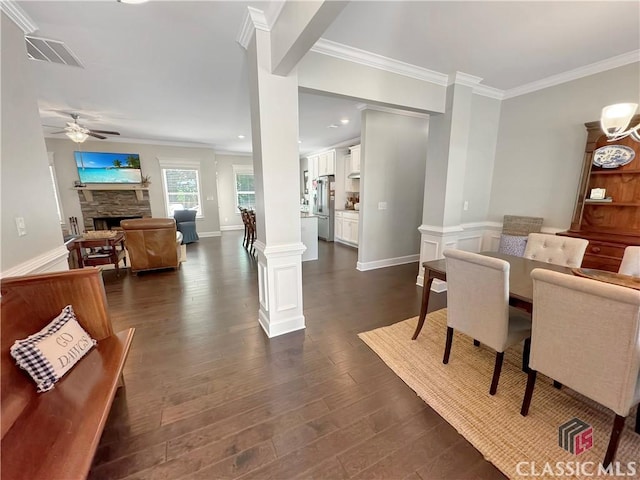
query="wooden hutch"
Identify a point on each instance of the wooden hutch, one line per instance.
(609, 226)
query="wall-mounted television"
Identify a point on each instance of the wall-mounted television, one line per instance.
(106, 167)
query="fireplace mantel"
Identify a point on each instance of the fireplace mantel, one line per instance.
(87, 189)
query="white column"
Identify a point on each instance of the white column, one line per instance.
(445, 175)
(274, 129)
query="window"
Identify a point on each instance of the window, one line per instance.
(245, 191)
(181, 183)
(54, 182)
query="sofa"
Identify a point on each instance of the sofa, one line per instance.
(152, 243)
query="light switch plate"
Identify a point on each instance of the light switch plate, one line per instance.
(21, 227)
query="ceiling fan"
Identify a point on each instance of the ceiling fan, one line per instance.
(79, 133)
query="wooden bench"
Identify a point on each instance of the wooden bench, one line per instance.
(54, 435)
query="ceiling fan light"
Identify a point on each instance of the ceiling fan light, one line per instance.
(615, 118)
(77, 136)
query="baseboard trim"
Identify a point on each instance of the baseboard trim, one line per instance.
(209, 234)
(42, 263)
(281, 328)
(344, 242)
(229, 228)
(387, 262)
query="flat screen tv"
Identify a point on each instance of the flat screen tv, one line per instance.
(106, 167)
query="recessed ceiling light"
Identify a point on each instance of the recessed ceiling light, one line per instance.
(240, 137)
(299, 141)
(133, 2)
(333, 125)
(344, 121)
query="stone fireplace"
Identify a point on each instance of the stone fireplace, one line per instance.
(103, 209)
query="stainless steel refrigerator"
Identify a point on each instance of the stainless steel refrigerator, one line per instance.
(323, 206)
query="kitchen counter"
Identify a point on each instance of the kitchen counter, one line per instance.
(309, 235)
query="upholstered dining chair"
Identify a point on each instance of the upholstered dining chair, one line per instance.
(186, 224)
(478, 306)
(586, 334)
(630, 262)
(566, 251)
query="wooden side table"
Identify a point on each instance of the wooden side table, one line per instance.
(99, 251)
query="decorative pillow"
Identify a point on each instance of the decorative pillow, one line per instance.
(512, 245)
(54, 350)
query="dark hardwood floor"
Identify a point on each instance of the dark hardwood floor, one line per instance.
(208, 396)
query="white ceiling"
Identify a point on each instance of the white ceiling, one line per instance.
(173, 72)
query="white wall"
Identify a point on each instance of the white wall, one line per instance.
(541, 144)
(485, 117)
(323, 73)
(393, 158)
(27, 191)
(67, 173)
(229, 214)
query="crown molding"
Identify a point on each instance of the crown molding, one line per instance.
(362, 57)
(273, 12)
(18, 16)
(140, 141)
(396, 111)
(467, 80)
(229, 153)
(575, 74)
(461, 78)
(254, 19)
(487, 91)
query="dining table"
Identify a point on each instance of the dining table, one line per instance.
(520, 282)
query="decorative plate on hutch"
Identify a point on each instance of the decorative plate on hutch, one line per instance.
(613, 156)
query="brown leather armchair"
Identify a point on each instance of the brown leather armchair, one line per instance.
(152, 243)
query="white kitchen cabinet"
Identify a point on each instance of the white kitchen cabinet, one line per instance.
(313, 167)
(355, 159)
(327, 163)
(350, 184)
(346, 228)
(337, 231)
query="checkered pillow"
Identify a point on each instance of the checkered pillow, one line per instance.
(54, 350)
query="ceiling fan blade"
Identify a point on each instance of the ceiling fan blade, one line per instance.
(92, 134)
(61, 131)
(106, 132)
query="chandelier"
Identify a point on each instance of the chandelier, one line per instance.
(615, 121)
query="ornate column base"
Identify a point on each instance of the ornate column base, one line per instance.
(280, 287)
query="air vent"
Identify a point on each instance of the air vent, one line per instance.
(47, 50)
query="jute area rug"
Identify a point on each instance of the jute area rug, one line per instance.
(459, 392)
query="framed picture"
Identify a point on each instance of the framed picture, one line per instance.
(597, 193)
(306, 181)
